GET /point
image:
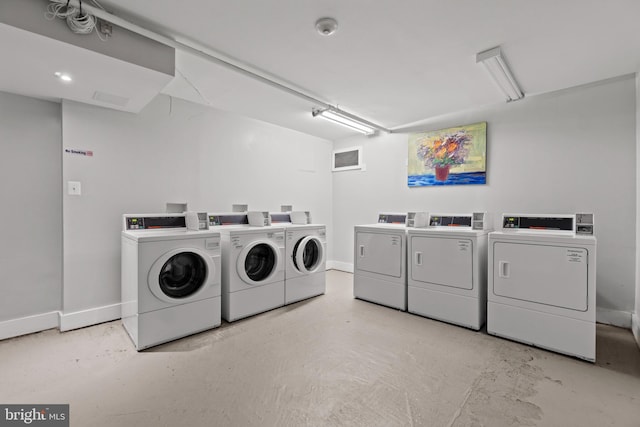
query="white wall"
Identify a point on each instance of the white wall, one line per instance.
(31, 214)
(173, 151)
(566, 152)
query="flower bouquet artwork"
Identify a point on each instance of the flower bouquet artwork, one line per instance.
(453, 156)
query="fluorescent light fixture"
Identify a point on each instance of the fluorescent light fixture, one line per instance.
(341, 119)
(63, 76)
(496, 66)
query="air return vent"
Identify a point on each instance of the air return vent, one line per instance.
(108, 98)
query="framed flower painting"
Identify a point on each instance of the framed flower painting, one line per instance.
(453, 156)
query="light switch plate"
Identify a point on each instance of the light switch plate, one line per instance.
(74, 188)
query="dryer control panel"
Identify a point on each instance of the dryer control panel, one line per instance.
(450, 220)
(474, 221)
(392, 218)
(581, 223)
(548, 223)
(409, 219)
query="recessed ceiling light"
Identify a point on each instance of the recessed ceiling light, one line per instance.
(63, 76)
(326, 26)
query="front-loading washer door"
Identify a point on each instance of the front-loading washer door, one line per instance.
(308, 255)
(180, 275)
(258, 262)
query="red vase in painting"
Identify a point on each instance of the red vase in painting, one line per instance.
(442, 172)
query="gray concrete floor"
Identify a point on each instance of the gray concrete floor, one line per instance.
(327, 361)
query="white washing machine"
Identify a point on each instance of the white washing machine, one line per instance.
(253, 266)
(305, 249)
(170, 279)
(380, 258)
(447, 277)
(542, 282)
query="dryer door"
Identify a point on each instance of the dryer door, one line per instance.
(258, 262)
(308, 255)
(380, 253)
(180, 275)
(442, 261)
(543, 274)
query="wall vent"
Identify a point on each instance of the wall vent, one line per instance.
(108, 98)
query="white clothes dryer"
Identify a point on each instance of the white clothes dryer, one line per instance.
(253, 269)
(305, 274)
(170, 279)
(542, 283)
(447, 269)
(380, 259)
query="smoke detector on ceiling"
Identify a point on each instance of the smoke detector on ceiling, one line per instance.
(326, 26)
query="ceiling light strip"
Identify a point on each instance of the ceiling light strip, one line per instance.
(214, 57)
(342, 119)
(497, 68)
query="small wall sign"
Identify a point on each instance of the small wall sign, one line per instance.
(78, 152)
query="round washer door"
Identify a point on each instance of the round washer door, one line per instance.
(258, 262)
(308, 254)
(180, 275)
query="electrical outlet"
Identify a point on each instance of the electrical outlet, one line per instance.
(74, 188)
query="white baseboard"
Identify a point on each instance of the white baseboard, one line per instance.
(635, 327)
(28, 325)
(93, 316)
(618, 318)
(342, 266)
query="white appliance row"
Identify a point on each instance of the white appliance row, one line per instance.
(532, 282)
(183, 273)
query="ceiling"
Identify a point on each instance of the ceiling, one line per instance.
(34, 58)
(392, 63)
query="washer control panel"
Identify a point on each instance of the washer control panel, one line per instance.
(280, 218)
(154, 222)
(227, 219)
